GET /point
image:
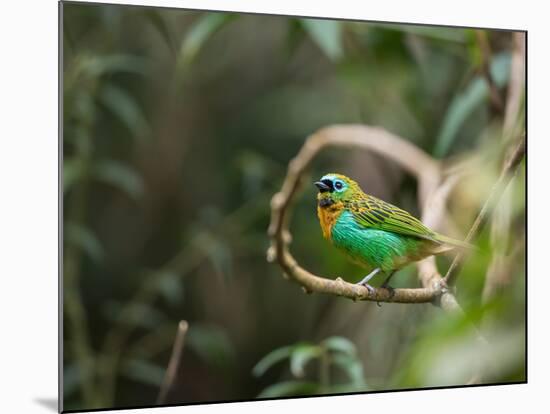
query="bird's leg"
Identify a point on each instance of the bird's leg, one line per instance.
(387, 281)
(365, 280)
(386, 284)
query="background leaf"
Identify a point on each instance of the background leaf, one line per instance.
(124, 107)
(218, 252)
(73, 171)
(212, 344)
(204, 27)
(353, 368)
(301, 355)
(340, 344)
(171, 287)
(468, 101)
(120, 176)
(140, 314)
(271, 359)
(145, 372)
(85, 239)
(96, 66)
(159, 23)
(327, 34)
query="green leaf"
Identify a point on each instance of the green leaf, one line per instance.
(353, 368)
(212, 345)
(96, 66)
(340, 344)
(467, 101)
(73, 171)
(199, 33)
(289, 388)
(500, 69)
(218, 253)
(140, 314)
(170, 287)
(83, 109)
(453, 34)
(327, 34)
(295, 33)
(125, 108)
(120, 176)
(301, 355)
(85, 239)
(271, 359)
(144, 372)
(73, 376)
(156, 19)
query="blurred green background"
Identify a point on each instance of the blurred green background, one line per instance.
(177, 129)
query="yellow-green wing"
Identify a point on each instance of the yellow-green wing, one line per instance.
(372, 212)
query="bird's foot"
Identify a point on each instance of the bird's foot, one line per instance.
(386, 285)
(388, 288)
(369, 287)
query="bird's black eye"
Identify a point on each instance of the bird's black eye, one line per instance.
(338, 185)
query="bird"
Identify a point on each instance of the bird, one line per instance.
(374, 234)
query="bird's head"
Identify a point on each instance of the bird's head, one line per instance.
(334, 188)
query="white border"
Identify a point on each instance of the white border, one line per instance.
(28, 226)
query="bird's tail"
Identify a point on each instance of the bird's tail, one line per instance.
(453, 243)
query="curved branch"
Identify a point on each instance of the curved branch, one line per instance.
(428, 174)
(312, 283)
(432, 193)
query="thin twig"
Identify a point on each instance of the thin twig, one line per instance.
(498, 273)
(509, 169)
(174, 370)
(516, 85)
(499, 266)
(182, 263)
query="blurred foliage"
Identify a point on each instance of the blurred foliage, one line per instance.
(466, 102)
(178, 127)
(333, 352)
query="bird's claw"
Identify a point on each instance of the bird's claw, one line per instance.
(389, 289)
(369, 287)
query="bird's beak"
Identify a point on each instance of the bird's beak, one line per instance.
(323, 188)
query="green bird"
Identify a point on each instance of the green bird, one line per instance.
(374, 234)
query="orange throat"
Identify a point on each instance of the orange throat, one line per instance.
(328, 216)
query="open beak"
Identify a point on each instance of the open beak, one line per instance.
(323, 188)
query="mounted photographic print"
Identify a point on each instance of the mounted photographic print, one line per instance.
(266, 206)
